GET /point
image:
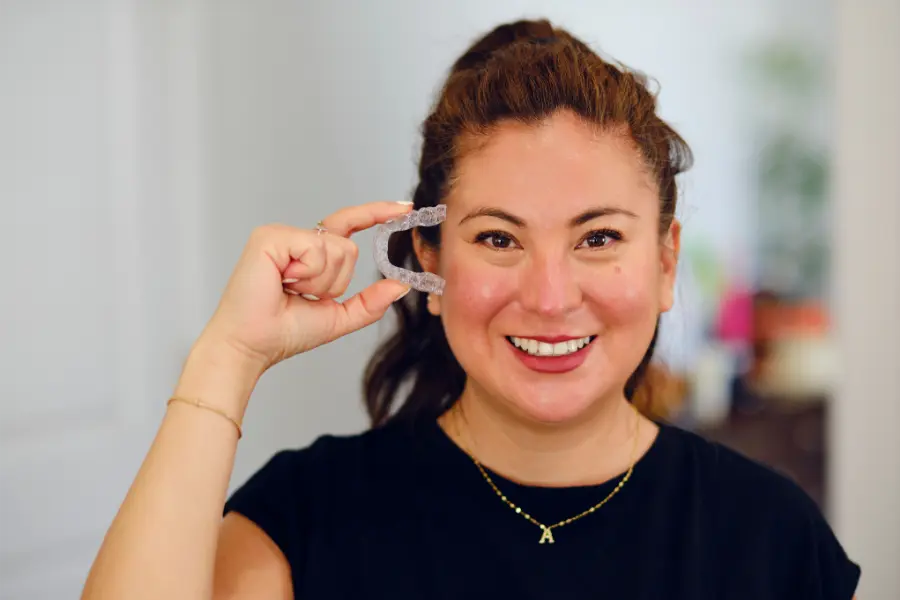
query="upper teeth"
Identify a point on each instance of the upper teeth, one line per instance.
(546, 349)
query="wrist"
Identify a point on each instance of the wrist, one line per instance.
(219, 352)
(220, 376)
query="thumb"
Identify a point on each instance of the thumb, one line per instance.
(368, 306)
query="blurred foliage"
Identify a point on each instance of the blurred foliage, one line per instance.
(792, 170)
(787, 65)
(706, 271)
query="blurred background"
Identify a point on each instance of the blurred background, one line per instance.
(141, 141)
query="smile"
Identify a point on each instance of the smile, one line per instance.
(536, 347)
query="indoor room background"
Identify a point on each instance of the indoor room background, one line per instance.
(141, 141)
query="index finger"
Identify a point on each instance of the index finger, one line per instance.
(348, 221)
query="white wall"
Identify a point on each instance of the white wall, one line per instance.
(97, 296)
(141, 140)
(62, 317)
(865, 483)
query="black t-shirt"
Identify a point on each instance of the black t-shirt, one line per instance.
(401, 512)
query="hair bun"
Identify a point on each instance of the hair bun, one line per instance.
(539, 32)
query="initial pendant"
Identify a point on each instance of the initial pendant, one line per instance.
(547, 536)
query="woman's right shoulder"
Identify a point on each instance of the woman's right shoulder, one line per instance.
(297, 489)
(332, 456)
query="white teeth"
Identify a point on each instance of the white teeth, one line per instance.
(536, 348)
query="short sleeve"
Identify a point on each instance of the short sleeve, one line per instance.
(829, 574)
(787, 546)
(273, 499)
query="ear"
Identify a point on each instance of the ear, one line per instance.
(425, 254)
(428, 258)
(669, 249)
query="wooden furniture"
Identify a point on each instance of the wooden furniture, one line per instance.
(788, 436)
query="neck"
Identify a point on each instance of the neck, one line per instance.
(588, 451)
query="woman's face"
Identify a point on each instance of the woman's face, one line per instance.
(555, 271)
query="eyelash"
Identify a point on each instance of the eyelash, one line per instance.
(611, 234)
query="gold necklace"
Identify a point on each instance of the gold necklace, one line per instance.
(547, 530)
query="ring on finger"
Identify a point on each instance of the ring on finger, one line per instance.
(320, 228)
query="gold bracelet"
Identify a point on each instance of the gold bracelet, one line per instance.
(201, 404)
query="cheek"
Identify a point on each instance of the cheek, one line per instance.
(474, 292)
(624, 295)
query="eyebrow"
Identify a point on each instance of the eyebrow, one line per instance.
(586, 216)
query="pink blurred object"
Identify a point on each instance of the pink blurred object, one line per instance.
(735, 319)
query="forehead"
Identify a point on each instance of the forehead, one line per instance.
(559, 165)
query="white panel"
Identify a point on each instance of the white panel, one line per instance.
(63, 581)
(866, 469)
(57, 245)
(58, 495)
(72, 351)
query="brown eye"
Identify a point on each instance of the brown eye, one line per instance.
(495, 240)
(597, 239)
(601, 239)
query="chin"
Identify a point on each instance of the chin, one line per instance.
(554, 405)
(554, 390)
(531, 381)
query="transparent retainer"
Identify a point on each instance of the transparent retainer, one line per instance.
(424, 217)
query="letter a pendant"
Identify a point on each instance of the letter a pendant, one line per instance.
(547, 536)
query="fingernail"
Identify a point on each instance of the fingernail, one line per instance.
(310, 297)
(404, 202)
(291, 292)
(287, 281)
(408, 290)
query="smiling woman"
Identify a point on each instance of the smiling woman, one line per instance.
(556, 231)
(508, 457)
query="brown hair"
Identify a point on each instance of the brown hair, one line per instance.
(524, 72)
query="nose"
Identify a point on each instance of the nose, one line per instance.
(549, 286)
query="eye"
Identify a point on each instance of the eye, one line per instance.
(602, 238)
(496, 240)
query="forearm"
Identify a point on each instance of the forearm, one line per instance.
(162, 542)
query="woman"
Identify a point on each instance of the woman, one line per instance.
(515, 463)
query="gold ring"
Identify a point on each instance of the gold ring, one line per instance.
(320, 228)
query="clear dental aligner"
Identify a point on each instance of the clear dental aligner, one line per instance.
(424, 217)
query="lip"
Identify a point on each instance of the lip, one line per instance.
(553, 364)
